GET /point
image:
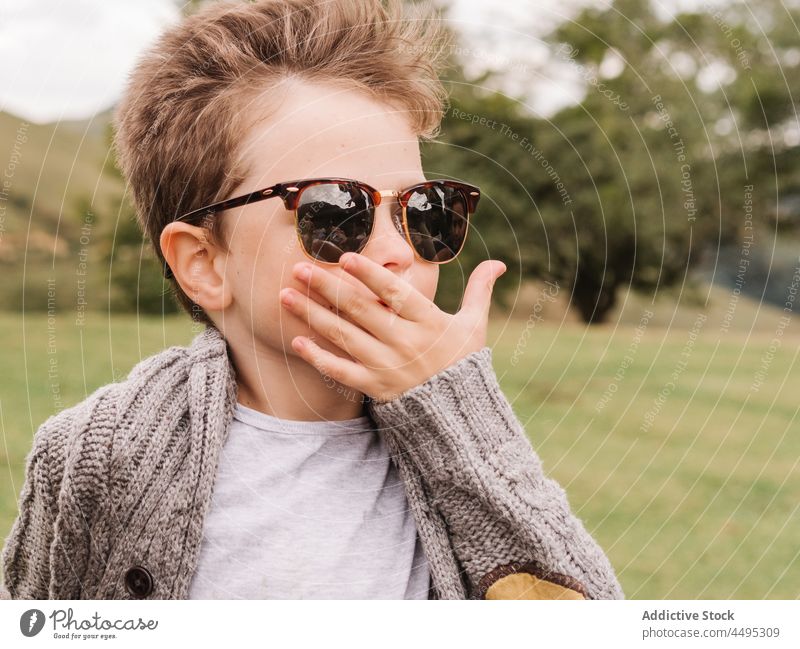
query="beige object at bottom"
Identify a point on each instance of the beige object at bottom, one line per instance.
(524, 586)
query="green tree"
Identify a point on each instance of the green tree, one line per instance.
(645, 176)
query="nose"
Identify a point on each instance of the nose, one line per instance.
(388, 245)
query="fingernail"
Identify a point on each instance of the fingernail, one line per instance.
(304, 273)
(286, 297)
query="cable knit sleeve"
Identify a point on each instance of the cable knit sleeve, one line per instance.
(511, 526)
(26, 553)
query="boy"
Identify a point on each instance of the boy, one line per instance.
(329, 435)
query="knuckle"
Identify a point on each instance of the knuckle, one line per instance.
(406, 347)
(334, 333)
(393, 294)
(355, 306)
(336, 373)
(317, 361)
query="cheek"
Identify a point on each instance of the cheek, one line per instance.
(263, 253)
(265, 248)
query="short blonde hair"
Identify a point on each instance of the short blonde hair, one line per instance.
(177, 126)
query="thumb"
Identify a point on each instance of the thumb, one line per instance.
(478, 294)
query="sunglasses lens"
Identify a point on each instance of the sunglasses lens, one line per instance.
(437, 219)
(334, 218)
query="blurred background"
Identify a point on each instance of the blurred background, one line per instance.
(639, 162)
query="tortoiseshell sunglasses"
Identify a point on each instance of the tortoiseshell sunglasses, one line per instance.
(336, 215)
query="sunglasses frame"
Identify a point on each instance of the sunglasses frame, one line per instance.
(291, 190)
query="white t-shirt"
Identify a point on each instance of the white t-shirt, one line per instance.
(308, 510)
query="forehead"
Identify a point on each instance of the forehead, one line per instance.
(312, 129)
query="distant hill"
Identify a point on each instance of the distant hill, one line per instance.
(52, 167)
(60, 215)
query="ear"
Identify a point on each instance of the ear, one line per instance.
(197, 264)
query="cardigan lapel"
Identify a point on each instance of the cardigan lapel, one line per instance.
(212, 398)
(170, 468)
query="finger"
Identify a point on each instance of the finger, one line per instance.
(345, 335)
(309, 292)
(329, 364)
(360, 307)
(478, 294)
(319, 299)
(398, 294)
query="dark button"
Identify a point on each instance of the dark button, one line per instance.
(139, 582)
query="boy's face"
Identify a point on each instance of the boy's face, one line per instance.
(319, 130)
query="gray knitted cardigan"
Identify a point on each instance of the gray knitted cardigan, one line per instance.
(117, 487)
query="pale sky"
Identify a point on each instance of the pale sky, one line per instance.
(68, 59)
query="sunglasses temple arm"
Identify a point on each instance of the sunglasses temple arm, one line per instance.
(214, 208)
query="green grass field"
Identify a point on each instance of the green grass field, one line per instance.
(693, 496)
